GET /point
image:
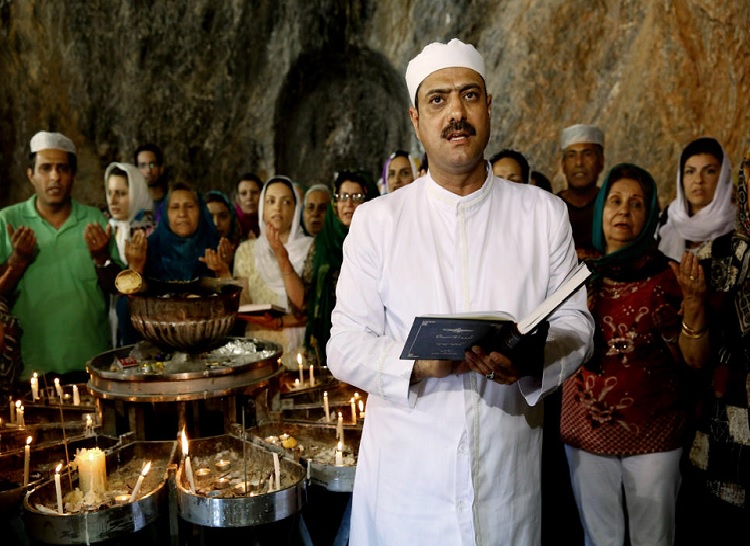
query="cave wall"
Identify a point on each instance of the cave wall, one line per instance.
(308, 87)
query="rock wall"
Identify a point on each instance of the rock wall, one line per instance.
(307, 87)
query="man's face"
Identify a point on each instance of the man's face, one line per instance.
(150, 170)
(315, 212)
(582, 164)
(453, 120)
(52, 178)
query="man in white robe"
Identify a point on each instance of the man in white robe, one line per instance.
(450, 451)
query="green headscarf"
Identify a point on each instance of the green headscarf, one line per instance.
(329, 255)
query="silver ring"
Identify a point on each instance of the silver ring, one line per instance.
(491, 376)
(692, 278)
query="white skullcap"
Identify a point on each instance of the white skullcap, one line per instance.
(437, 56)
(581, 134)
(51, 141)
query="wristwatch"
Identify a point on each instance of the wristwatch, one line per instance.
(104, 265)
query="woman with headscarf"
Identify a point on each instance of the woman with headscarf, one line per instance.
(314, 207)
(246, 208)
(351, 189)
(185, 244)
(400, 169)
(225, 220)
(703, 209)
(623, 419)
(271, 267)
(130, 209)
(718, 479)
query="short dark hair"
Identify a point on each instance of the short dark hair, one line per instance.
(541, 181)
(153, 148)
(626, 170)
(250, 177)
(72, 161)
(518, 157)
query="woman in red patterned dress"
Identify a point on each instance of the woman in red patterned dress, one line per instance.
(623, 417)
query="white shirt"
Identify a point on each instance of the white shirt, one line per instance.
(453, 460)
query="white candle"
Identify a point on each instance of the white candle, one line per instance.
(92, 470)
(12, 411)
(301, 369)
(340, 428)
(138, 484)
(325, 407)
(354, 410)
(188, 466)
(277, 470)
(58, 490)
(89, 426)
(361, 409)
(58, 388)
(312, 376)
(34, 387)
(340, 454)
(296, 383)
(26, 459)
(19, 414)
(76, 396)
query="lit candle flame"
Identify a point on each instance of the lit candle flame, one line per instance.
(340, 447)
(299, 359)
(184, 443)
(361, 406)
(57, 470)
(35, 375)
(146, 468)
(28, 440)
(57, 381)
(18, 404)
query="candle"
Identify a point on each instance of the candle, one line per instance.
(312, 376)
(92, 470)
(12, 411)
(76, 396)
(20, 421)
(296, 383)
(145, 470)
(276, 470)
(222, 464)
(361, 409)
(188, 467)
(354, 410)
(58, 388)
(34, 387)
(325, 407)
(340, 454)
(340, 428)
(89, 426)
(58, 490)
(26, 458)
(356, 396)
(301, 369)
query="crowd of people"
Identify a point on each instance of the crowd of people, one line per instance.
(634, 429)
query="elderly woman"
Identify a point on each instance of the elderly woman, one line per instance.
(703, 209)
(623, 419)
(271, 267)
(130, 209)
(400, 169)
(314, 207)
(185, 244)
(351, 189)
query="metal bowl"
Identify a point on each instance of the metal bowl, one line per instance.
(192, 322)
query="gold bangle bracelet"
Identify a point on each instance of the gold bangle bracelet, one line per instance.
(693, 334)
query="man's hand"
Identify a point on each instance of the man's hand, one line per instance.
(436, 368)
(97, 241)
(23, 241)
(494, 366)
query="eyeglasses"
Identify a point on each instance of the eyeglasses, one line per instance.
(151, 165)
(353, 197)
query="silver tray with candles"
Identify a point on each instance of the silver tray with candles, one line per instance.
(122, 505)
(235, 484)
(14, 438)
(145, 373)
(314, 446)
(43, 458)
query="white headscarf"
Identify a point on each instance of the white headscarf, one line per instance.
(715, 219)
(297, 245)
(139, 202)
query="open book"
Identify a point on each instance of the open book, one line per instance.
(448, 337)
(259, 309)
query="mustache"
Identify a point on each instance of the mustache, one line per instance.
(458, 127)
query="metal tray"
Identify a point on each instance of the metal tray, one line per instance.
(207, 508)
(109, 522)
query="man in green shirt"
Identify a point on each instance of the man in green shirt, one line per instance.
(55, 254)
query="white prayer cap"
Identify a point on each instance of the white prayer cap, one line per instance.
(437, 56)
(581, 134)
(44, 140)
